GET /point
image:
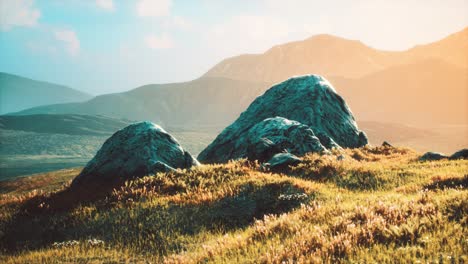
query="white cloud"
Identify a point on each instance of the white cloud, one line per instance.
(18, 13)
(181, 23)
(71, 41)
(159, 42)
(154, 8)
(247, 34)
(175, 22)
(105, 4)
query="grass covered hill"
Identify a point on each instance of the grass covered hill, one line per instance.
(19, 93)
(64, 124)
(377, 205)
(204, 102)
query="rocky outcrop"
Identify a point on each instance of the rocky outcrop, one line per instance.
(276, 135)
(428, 156)
(310, 100)
(135, 151)
(281, 162)
(461, 154)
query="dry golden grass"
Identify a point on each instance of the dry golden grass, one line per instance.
(376, 205)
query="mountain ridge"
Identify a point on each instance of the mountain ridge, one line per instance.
(325, 54)
(174, 104)
(19, 93)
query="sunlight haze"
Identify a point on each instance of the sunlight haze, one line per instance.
(108, 46)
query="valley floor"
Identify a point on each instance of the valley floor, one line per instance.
(26, 153)
(377, 205)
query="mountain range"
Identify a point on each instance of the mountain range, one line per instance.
(332, 56)
(204, 102)
(424, 88)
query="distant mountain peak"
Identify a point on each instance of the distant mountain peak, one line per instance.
(19, 93)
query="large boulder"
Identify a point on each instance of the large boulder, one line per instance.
(310, 100)
(140, 149)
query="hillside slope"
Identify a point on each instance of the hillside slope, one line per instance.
(63, 124)
(198, 103)
(18, 93)
(453, 49)
(378, 205)
(423, 93)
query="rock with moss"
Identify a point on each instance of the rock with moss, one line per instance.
(140, 149)
(310, 100)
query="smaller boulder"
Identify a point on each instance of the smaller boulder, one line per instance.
(282, 162)
(428, 156)
(461, 154)
(138, 150)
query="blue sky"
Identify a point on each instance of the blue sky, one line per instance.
(102, 46)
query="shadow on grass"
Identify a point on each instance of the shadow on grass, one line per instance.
(354, 179)
(145, 227)
(448, 183)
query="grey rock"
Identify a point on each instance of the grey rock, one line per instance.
(461, 154)
(428, 156)
(282, 162)
(276, 135)
(139, 149)
(310, 100)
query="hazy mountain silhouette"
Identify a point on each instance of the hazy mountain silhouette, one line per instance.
(453, 49)
(202, 102)
(322, 54)
(18, 93)
(333, 56)
(422, 93)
